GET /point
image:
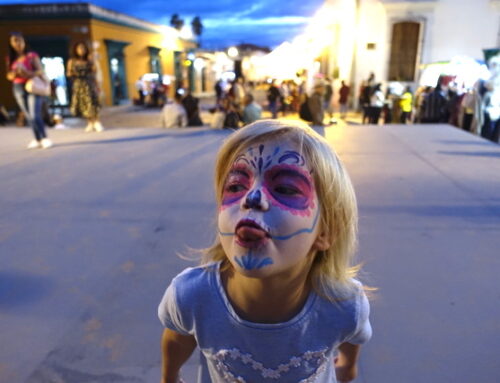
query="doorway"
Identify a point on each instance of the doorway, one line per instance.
(117, 71)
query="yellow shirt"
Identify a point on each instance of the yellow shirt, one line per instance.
(406, 101)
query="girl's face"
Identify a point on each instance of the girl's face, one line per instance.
(17, 43)
(81, 50)
(268, 219)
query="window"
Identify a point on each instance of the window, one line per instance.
(404, 50)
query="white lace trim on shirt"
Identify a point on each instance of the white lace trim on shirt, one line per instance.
(221, 356)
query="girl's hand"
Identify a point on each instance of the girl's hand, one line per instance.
(346, 373)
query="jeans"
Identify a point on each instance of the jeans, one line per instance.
(273, 108)
(31, 106)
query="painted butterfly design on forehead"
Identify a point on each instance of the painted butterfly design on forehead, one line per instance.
(260, 162)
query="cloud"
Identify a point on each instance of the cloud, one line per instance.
(225, 21)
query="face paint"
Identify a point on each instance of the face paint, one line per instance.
(252, 262)
(290, 188)
(269, 211)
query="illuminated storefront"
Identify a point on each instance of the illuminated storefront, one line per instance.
(125, 48)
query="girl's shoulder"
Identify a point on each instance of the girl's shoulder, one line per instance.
(192, 279)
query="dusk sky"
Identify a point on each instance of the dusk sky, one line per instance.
(226, 22)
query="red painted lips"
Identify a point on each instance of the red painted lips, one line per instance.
(249, 234)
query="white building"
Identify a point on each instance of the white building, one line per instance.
(395, 39)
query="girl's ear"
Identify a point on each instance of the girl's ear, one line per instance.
(322, 242)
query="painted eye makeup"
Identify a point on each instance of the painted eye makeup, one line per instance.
(237, 184)
(290, 186)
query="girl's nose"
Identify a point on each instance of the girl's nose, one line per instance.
(256, 200)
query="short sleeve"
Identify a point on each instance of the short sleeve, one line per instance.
(363, 331)
(170, 313)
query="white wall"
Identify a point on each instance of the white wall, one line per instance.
(463, 27)
(372, 29)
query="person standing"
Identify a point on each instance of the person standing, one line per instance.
(273, 97)
(327, 98)
(23, 65)
(344, 97)
(85, 98)
(377, 100)
(435, 106)
(405, 103)
(219, 91)
(315, 103)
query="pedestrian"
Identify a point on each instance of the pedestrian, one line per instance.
(173, 114)
(275, 296)
(315, 103)
(405, 103)
(327, 99)
(139, 86)
(219, 91)
(377, 100)
(343, 99)
(273, 97)
(232, 118)
(468, 105)
(85, 97)
(252, 111)
(435, 106)
(23, 65)
(191, 105)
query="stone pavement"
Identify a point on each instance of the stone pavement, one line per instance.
(90, 232)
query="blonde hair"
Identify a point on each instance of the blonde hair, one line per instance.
(332, 272)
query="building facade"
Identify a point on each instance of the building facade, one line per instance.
(125, 48)
(395, 39)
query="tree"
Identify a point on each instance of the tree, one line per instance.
(197, 26)
(176, 22)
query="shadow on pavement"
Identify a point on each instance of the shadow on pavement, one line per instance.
(471, 154)
(466, 212)
(468, 142)
(180, 133)
(18, 288)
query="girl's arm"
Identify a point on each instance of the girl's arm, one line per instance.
(69, 68)
(346, 365)
(38, 69)
(176, 350)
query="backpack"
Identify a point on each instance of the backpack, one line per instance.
(304, 111)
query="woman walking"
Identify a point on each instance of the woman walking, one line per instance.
(23, 65)
(85, 99)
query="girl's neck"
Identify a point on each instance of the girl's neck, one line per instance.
(275, 299)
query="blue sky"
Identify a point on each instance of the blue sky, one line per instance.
(226, 22)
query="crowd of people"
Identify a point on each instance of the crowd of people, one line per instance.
(472, 109)
(476, 110)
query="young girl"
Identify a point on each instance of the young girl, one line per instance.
(275, 299)
(85, 98)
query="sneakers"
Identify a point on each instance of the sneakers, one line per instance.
(34, 144)
(94, 126)
(46, 143)
(98, 127)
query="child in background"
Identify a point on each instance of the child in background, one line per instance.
(275, 299)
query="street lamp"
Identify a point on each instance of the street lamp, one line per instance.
(233, 52)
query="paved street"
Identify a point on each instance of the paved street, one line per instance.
(90, 232)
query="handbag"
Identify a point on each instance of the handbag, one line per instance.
(38, 85)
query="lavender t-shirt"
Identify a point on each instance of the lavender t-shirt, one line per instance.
(235, 350)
